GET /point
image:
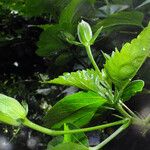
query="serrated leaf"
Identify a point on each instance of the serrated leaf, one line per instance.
(133, 88)
(133, 18)
(69, 146)
(11, 111)
(122, 66)
(77, 109)
(85, 79)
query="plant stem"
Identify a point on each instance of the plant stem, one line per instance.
(112, 136)
(122, 111)
(128, 109)
(89, 53)
(47, 131)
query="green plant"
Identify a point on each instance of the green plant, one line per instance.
(112, 15)
(103, 89)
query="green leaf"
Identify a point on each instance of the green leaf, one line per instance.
(120, 19)
(73, 12)
(68, 13)
(11, 111)
(79, 138)
(96, 34)
(63, 59)
(67, 137)
(77, 109)
(50, 41)
(133, 88)
(85, 79)
(122, 66)
(54, 142)
(69, 146)
(38, 7)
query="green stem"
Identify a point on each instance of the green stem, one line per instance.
(89, 53)
(112, 136)
(122, 111)
(128, 109)
(47, 131)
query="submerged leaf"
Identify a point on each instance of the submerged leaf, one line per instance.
(77, 109)
(122, 66)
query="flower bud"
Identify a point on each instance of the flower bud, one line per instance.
(84, 33)
(11, 111)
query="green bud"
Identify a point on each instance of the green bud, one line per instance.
(84, 33)
(11, 111)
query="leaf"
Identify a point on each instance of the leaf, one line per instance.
(50, 42)
(55, 141)
(133, 88)
(69, 146)
(119, 19)
(143, 4)
(67, 137)
(122, 66)
(68, 13)
(11, 111)
(79, 138)
(72, 13)
(85, 79)
(38, 7)
(77, 109)
(63, 59)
